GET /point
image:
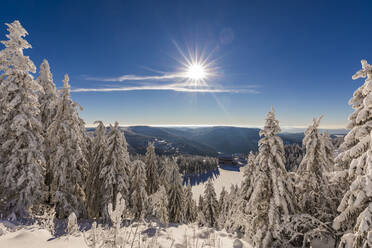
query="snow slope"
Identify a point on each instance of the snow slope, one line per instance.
(190, 236)
(227, 176)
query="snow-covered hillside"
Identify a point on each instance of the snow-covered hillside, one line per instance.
(227, 176)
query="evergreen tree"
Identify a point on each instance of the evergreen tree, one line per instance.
(356, 206)
(248, 174)
(152, 174)
(175, 195)
(93, 186)
(138, 189)
(21, 159)
(159, 202)
(189, 205)
(314, 194)
(210, 208)
(67, 160)
(115, 162)
(329, 149)
(272, 195)
(48, 99)
(200, 203)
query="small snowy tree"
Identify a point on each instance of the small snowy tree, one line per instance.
(248, 174)
(67, 160)
(21, 159)
(210, 208)
(138, 189)
(356, 205)
(115, 164)
(152, 174)
(272, 195)
(175, 195)
(93, 186)
(189, 205)
(116, 218)
(72, 226)
(159, 202)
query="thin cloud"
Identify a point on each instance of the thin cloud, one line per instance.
(170, 87)
(137, 78)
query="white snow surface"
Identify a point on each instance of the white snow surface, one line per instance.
(226, 178)
(190, 236)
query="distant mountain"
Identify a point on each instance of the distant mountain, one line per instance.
(200, 140)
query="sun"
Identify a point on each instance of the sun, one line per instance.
(196, 72)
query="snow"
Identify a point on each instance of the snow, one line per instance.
(174, 236)
(226, 177)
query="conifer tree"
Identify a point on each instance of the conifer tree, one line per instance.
(21, 158)
(113, 174)
(48, 98)
(67, 160)
(175, 194)
(159, 202)
(138, 189)
(314, 194)
(152, 174)
(356, 206)
(210, 208)
(248, 174)
(272, 194)
(189, 205)
(93, 186)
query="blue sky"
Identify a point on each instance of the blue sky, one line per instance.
(297, 56)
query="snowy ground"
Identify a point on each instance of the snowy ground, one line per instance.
(180, 236)
(228, 175)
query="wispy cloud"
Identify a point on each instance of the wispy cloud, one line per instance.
(179, 83)
(170, 87)
(164, 77)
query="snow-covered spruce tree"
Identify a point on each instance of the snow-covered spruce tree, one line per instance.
(190, 208)
(272, 194)
(159, 202)
(210, 208)
(138, 190)
(175, 194)
(248, 175)
(93, 185)
(222, 202)
(152, 174)
(48, 98)
(67, 160)
(113, 174)
(21, 158)
(314, 194)
(356, 206)
(329, 149)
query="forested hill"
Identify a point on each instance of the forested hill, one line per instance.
(201, 140)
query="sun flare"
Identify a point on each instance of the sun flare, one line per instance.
(196, 72)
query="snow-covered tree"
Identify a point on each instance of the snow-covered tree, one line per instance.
(116, 218)
(210, 208)
(159, 202)
(272, 195)
(152, 174)
(190, 208)
(222, 202)
(314, 194)
(93, 186)
(48, 98)
(113, 173)
(21, 159)
(175, 194)
(329, 149)
(67, 160)
(248, 173)
(356, 205)
(72, 226)
(138, 192)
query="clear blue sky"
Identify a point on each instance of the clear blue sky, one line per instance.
(297, 56)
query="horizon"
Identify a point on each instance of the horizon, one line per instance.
(196, 64)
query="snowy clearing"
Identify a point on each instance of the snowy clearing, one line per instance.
(227, 177)
(179, 236)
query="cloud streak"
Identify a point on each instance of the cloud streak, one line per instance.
(169, 87)
(138, 78)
